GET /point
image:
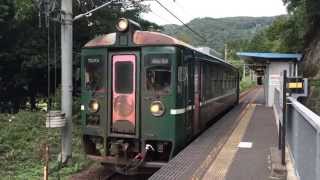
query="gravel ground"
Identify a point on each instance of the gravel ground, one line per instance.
(99, 172)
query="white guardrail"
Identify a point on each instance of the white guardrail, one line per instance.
(303, 136)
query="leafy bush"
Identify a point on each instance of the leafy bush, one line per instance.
(246, 84)
(22, 141)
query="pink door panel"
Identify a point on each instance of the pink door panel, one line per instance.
(123, 94)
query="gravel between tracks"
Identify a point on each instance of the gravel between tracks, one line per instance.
(99, 172)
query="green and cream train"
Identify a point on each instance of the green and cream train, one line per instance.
(146, 95)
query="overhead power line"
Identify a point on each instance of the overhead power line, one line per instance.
(161, 17)
(164, 7)
(89, 13)
(183, 9)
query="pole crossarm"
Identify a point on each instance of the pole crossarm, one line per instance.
(93, 10)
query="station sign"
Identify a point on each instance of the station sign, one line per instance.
(275, 79)
(297, 86)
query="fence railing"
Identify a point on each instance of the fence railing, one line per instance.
(278, 103)
(302, 135)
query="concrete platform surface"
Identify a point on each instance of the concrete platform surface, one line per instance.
(237, 147)
(250, 162)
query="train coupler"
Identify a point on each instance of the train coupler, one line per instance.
(118, 148)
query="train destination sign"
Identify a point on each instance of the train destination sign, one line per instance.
(94, 60)
(159, 61)
(155, 59)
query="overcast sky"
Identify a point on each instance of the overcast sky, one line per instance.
(190, 9)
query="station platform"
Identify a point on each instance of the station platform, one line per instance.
(236, 147)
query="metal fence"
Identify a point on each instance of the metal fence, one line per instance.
(303, 137)
(277, 103)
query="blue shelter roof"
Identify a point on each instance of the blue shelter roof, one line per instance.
(270, 56)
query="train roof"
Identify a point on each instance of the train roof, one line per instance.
(143, 38)
(139, 38)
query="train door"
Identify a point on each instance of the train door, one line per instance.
(188, 91)
(197, 96)
(123, 95)
(189, 97)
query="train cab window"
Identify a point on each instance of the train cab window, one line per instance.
(158, 78)
(93, 74)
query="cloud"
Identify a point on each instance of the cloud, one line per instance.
(190, 9)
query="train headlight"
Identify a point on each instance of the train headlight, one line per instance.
(94, 106)
(157, 108)
(122, 24)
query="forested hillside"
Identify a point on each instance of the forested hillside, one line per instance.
(307, 16)
(298, 32)
(219, 31)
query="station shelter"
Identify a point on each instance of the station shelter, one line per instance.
(268, 68)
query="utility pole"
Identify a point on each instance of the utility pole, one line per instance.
(66, 78)
(66, 73)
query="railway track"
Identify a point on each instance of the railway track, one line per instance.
(100, 172)
(108, 176)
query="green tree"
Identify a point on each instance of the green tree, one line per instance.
(306, 13)
(23, 55)
(285, 34)
(185, 38)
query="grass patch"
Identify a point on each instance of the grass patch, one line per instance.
(246, 84)
(22, 140)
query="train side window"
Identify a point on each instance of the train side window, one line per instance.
(219, 82)
(228, 80)
(223, 80)
(233, 82)
(93, 74)
(212, 81)
(220, 76)
(207, 71)
(182, 73)
(158, 78)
